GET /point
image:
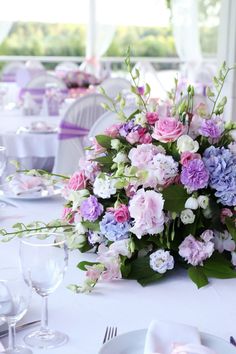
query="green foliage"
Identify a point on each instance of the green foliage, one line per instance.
(175, 197)
(197, 275)
(83, 265)
(141, 271)
(230, 223)
(104, 141)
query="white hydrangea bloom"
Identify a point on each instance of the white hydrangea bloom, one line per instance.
(187, 216)
(161, 261)
(104, 186)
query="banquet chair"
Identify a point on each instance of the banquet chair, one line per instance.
(106, 120)
(74, 127)
(66, 66)
(46, 80)
(9, 71)
(113, 86)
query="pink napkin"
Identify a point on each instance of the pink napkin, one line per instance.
(173, 338)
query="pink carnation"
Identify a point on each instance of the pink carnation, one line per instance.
(68, 215)
(188, 156)
(77, 181)
(133, 137)
(225, 212)
(152, 117)
(122, 213)
(113, 131)
(146, 208)
(168, 129)
(142, 156)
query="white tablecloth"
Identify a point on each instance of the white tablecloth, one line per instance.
(121, 303)
(32, 150)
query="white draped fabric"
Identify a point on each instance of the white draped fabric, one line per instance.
(5, 28)
(186, 33)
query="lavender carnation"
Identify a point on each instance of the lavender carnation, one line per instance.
(210, 129)
(220, 163)
(91, 209)
(112, 229)
(194, 176)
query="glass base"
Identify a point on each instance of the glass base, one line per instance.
(17, 350)
(46, 339)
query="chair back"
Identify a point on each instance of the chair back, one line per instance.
(74, 127)
(113, 86)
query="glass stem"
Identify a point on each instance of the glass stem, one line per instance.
(44, 314)
(12, 335)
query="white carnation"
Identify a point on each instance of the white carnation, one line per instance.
(161, 261)
(104, 186)
(191, 203)
(203, 201)
(121, 157)
(187, 216)
(186, 143)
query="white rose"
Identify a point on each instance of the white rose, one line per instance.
(161, 261)
(187, 216)
(115, 144)
(203, 201)
(121, 157)
(186, 143)
(104, 186)
(191, 203)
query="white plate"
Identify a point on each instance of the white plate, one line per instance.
(49, 130)
(31, 196)
(133, 343)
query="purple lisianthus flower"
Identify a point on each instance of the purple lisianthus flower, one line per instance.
(220, 163)
(141, 90)
(112, 229)
(91, 209)
(194, 175)
(210, 129)
(126, 128)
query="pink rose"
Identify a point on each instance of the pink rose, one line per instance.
(133, 137)
(77, 181)
(168, 129)
(225, 212)
(152, 117)
(122, 213)
(188, 156)
(113, 131)
(145, 139)
(68, 215)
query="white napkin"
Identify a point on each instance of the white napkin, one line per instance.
(173, 338)
(23, 184)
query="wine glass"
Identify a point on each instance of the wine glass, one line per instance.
(15, 295)
(44, 259)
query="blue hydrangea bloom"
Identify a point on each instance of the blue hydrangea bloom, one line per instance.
(112, 229)
(221, 164)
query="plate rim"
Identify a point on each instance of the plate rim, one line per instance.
(145, 330)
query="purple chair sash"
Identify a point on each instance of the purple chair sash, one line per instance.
(69, 130)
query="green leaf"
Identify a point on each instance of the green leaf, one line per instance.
(104, 141)
(93, 226)
(142, 272)
(175, 197)
(104, 160)
(218, 267)
(230, 223)
(82, 265)
(198, 276)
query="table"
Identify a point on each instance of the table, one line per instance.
(121, 303)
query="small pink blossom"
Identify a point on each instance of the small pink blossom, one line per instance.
(225, 212)
(98, 149)
(93, 272)
(207, 235)
(68, 215)
(187, 156)
(113, 130)
(152, 117)
(77, 181)
(130, 190)
(90, 168)
(168, 129)
(133, 137)
(145, 139)
(111, 262)
(122, 213)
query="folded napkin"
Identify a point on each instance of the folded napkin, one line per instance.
(23, 184)
(173, 338)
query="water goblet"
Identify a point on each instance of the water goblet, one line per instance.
(15, 295)
(44, 259)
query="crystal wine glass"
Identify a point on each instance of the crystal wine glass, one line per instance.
(15, 295)
(44, 259)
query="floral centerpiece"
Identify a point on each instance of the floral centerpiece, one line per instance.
(156, 191)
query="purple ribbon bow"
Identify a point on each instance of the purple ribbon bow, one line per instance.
(70, 130)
